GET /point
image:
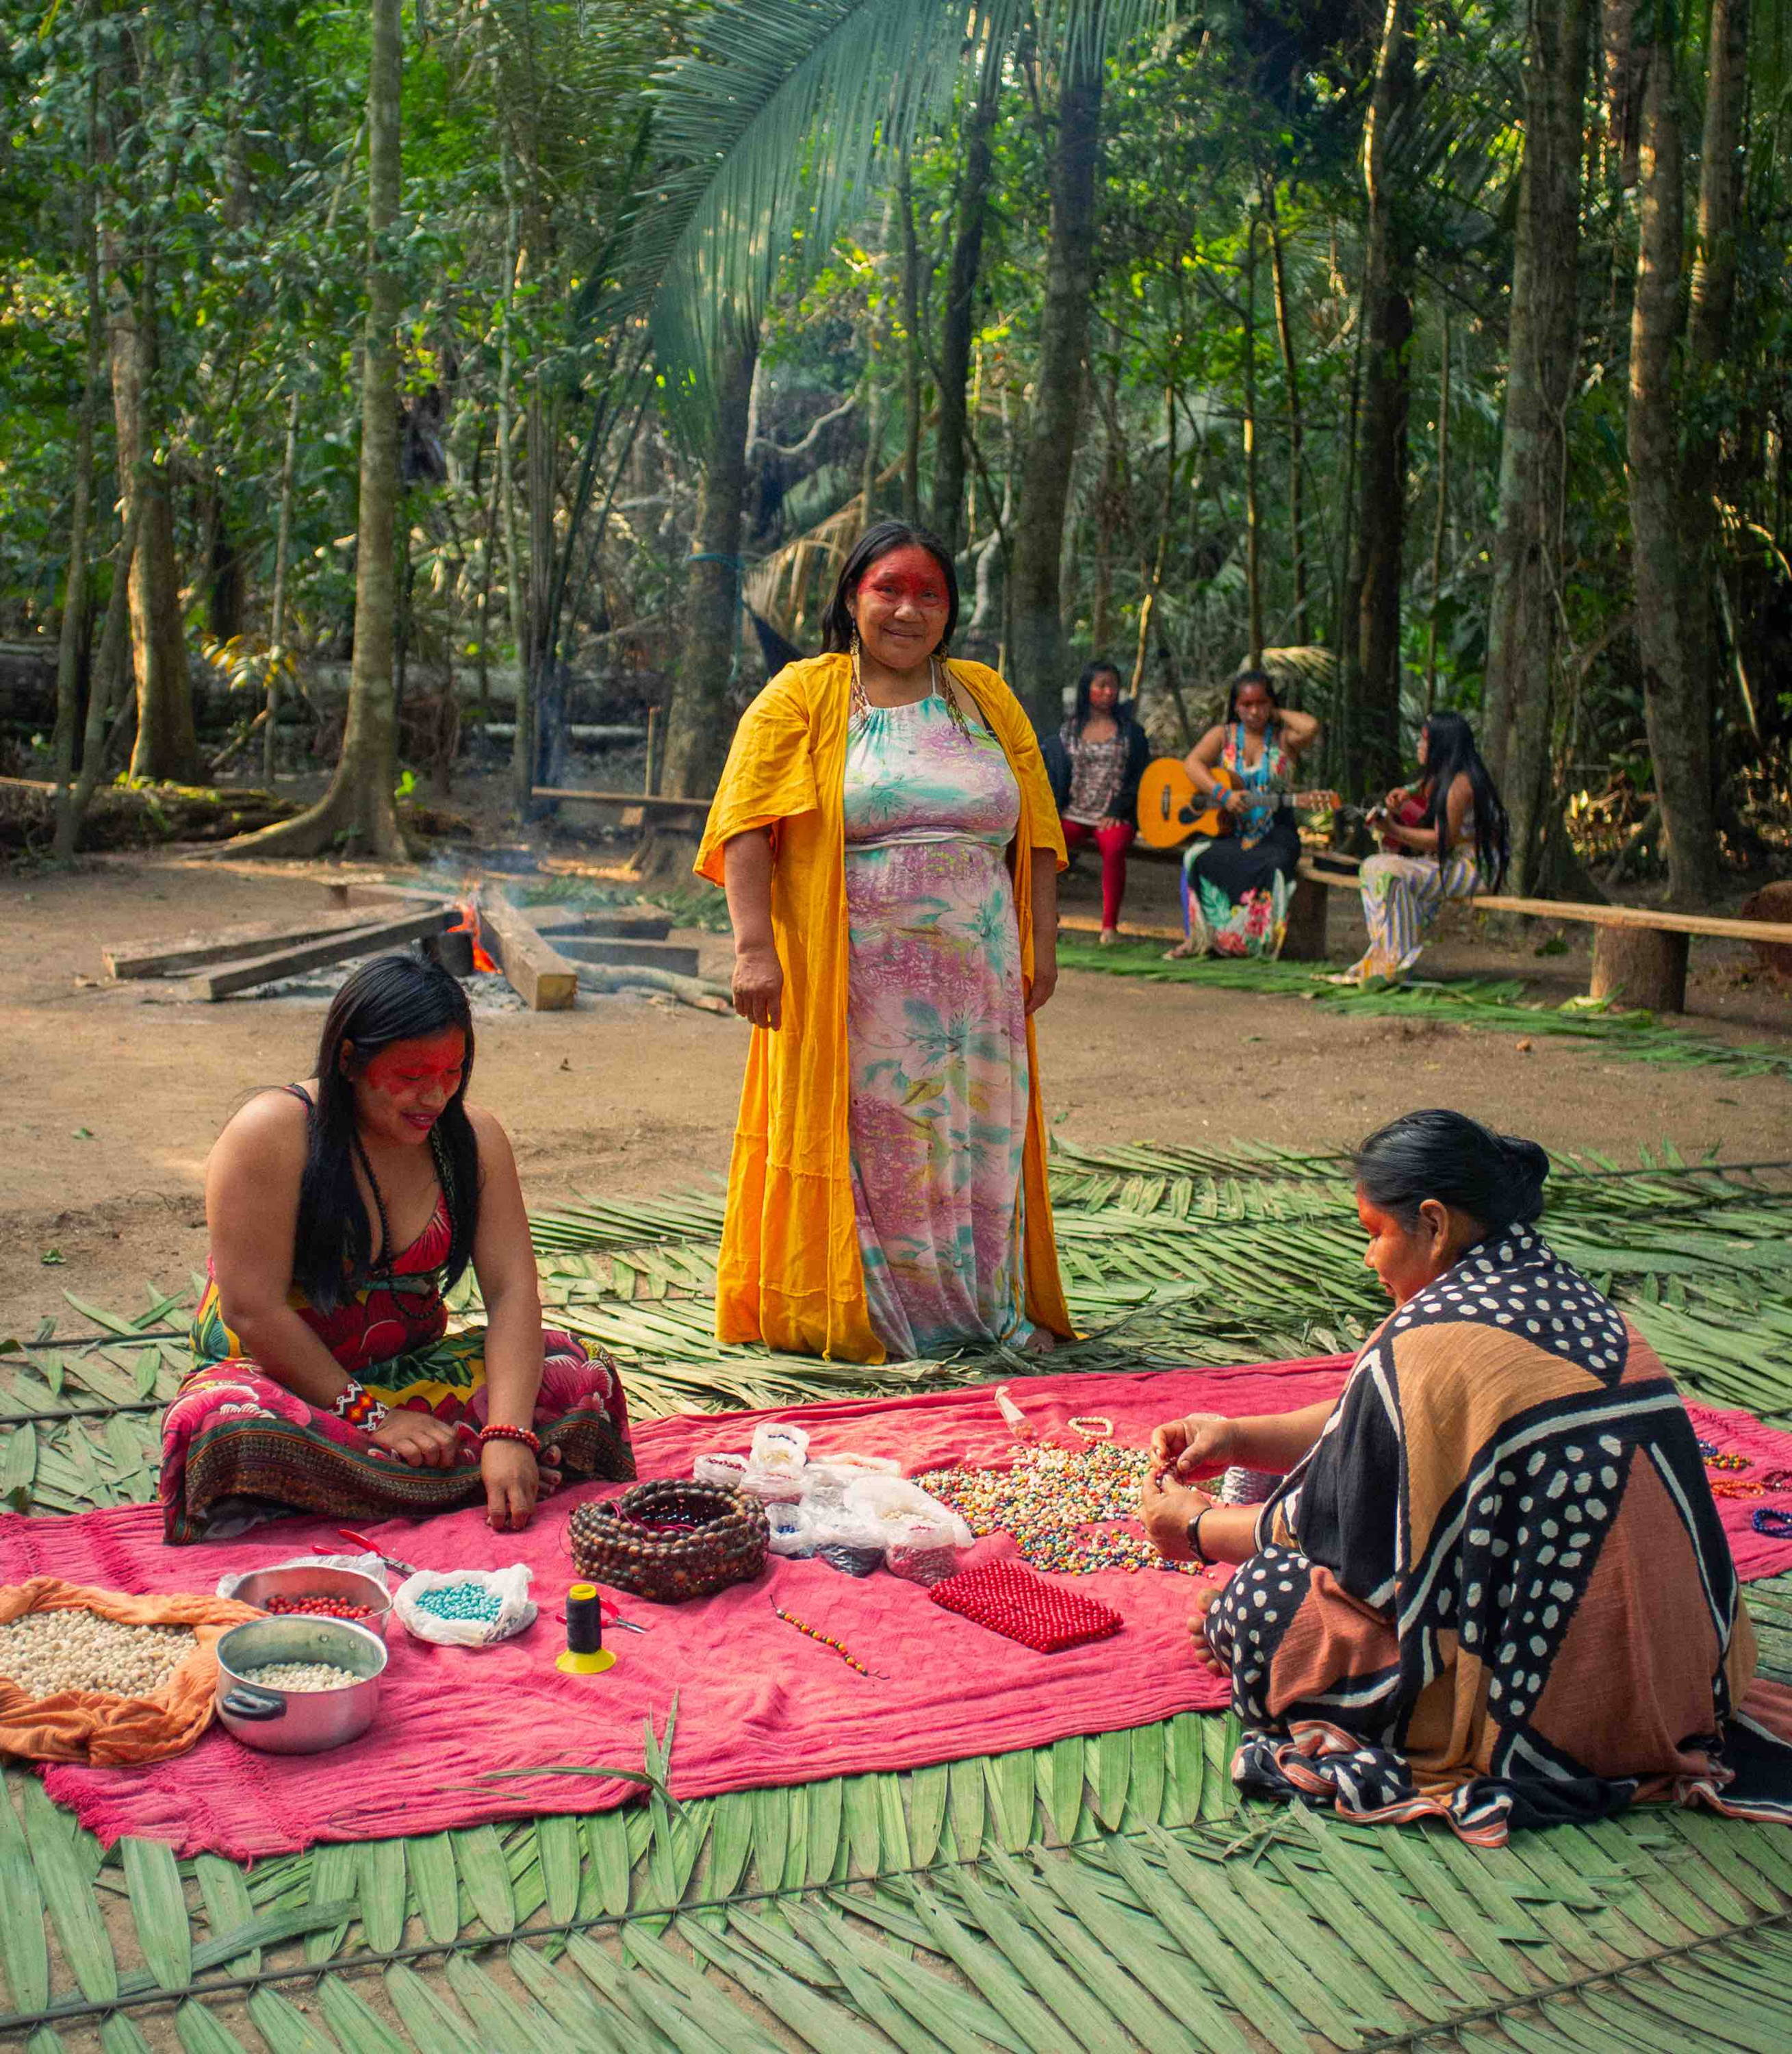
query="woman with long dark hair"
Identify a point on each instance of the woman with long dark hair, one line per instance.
(340, 1211)
(1237, 887)
(1492, 1586)
(887, 838)
(1458, 845)
(1094, 762)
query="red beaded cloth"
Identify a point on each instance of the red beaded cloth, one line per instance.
(1011, 1600)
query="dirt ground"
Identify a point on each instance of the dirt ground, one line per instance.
(111, 1094)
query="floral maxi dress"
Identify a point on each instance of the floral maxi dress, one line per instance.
(936, 1028)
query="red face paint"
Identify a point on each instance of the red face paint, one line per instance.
(908, 576)
(415, 1079)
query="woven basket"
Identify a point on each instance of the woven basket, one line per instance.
(722, 1541)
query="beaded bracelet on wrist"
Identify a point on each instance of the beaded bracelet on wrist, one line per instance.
(356, 1406)
(531, 1441)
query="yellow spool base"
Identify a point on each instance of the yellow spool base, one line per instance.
(570, 1664)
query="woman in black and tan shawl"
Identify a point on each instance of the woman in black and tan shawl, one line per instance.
(1492, 1585)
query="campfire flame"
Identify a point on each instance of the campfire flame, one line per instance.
(469, 924)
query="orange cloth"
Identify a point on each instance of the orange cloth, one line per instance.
(97, 1726)
(790, 1272)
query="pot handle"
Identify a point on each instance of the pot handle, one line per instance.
(248, 1704)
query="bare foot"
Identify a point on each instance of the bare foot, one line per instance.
(1040, 1341)
(1207, 1597)
(1182, 951)
(1108, 937)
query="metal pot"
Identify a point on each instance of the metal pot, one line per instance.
(353, 1585)
(298, 1721)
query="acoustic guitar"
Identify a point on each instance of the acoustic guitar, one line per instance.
(1171, 811)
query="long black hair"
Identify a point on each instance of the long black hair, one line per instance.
(1496, 1179)
(1251, 677)
(1450, 753)
(393, 998)
(836, 623)
(1080, 715)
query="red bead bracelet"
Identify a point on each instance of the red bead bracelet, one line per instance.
(532, 1442)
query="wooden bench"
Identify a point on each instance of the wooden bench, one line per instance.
(1639, 954)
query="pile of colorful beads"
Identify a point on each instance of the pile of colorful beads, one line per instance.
(321, 1607)
(1046, 1500)
(469, 1601)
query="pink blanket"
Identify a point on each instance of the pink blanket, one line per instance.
(758, 1703)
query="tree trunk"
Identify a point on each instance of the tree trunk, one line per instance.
(547, 672)
(1299, 631)
(522, 747)
(358, 806)
(698, 726)
(1372, 670)
(107, 693)
(1439, 529)
(1253, 524)
(948, 517)
(911, 346)
(1705, 409)
(277, 660)
(1543, 341)
(1036, 655)
(74, 589)
(1676, 689)
(166, 746)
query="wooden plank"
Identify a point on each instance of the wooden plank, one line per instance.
(699, 808)
(1657, 920)
(1648, 919)
(133, 959)
(623, 925)
(333, 948)
(1076, 923)
(546, 981)
(674, 956)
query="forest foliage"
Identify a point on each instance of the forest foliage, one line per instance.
(1439, 352)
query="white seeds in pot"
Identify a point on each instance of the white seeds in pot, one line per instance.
(300, 1676)
(46, 1652)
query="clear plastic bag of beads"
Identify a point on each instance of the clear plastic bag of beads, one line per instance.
(720, 1469)
(921, 1550)
(779, 1448)
(889, 1503)
(1244, 1486)
(792, 1529)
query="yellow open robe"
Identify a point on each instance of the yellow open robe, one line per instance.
(790, 1272)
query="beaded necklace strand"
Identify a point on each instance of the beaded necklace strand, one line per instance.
(815, 1633)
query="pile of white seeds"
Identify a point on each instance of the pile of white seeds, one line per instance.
(300, 1676)
(45, 1652)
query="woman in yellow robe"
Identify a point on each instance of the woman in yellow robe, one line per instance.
(886, 833)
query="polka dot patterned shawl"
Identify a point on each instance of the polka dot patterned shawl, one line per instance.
(1497, 1589)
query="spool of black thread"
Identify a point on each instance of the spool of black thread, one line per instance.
(584, 1621)
(584, 1654)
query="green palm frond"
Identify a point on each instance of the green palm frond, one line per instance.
(776, 126)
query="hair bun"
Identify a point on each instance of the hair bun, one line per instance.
(1529, 1165)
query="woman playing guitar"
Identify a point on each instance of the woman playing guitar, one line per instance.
(1235, 888)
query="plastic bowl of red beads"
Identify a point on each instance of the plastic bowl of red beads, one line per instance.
(320, 1593)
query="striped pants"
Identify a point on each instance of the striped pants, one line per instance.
(1402, 898)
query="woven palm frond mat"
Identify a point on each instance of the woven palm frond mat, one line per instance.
(1092, 1894)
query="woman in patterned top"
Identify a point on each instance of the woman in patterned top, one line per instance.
(1492, 1586)
(891, 852)
(1236, 887)
(1094, 762)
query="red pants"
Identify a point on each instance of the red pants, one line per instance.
(1113, 843)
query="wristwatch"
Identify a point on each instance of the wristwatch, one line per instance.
(1200, 1554)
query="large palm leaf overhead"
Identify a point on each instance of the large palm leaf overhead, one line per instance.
(775, 125)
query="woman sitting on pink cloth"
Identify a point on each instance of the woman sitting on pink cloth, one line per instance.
(340, 1210)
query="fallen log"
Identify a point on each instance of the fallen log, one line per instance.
(132, 959)
(688, 990)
